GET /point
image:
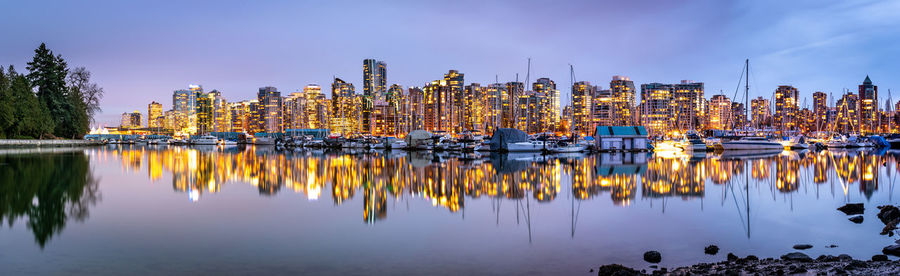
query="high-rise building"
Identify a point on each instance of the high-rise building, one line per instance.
(658, 108)
(868, 106)
(132, 120)
(820, 110)
(269, 109)
(582, 106)
(847, 117)
(514, 90)
(204, 113)
(689, 104)
(622, 98)
(786, 108)
(242, 116)
(546, 90)
(474, 106)
(443, 103)
(416, 110)
(494, 96)
(738, 115)
(155, 117)
(294, 113)
(374, 85)
(184, 103)
(343, 116)
(317, 109)
(761, 112)
(720, 111)
(221, 112)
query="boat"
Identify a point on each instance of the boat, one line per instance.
(162, 141)
(394, 143)
(262, 140)
(419, 140)
(205, 140)
(894, 140)
(564, 146)
(229, 143)
(526, 146)
(693, 142)
(796, 143)
(751, 143)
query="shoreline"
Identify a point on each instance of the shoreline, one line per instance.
(36, 143)
(794, 263)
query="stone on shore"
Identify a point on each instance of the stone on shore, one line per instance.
(617, 270)
(880, 258)
(797, 257)
(732, 257)
(652, 257)
(892, 250)
(802, 246)
(857, 219)
(711, 250)
(852, 208)
(888, 214)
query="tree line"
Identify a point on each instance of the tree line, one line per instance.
(49, 101)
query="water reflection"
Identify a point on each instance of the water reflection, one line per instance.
(449, 180)
(47, 189)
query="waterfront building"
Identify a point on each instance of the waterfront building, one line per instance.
(868, 106)
(169, 121)
(786, 107)
(493, 103)
(720, 112)
(241, 116)
(204, 113)
(582, 107)
(847, 115)
(294, 111)
(688, 97)
(343, 112)
(155, 117)
(132, 120)
(820, 110)
(374, 86)
(184, 103)
(549, 95)
(514, 90)
(317, 107)
(761, 112)
(221, 112)
(415, 98)
(443, 103)
(474, 106)
(622, 100)
(738, 115)
(269, 108)
(658, 108)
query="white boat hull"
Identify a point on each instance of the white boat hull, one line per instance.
(525, 147)
(743, 145)
(566, 149)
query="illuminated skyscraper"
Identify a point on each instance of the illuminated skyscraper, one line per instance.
(374, 85)
(270, 108)
(221, 112)
(317, 109)
(868, 106)
(546, 90)
(183, 103)
(514, 91)
(820, 110)
(720, 112)
(738, 115)
(242, 116)
(294, 113)
(582, 105)
(155, 117)
(474, 107)
(622, 99)
(132, 120)
(494, 95)
(786, 107)
(343, 116)
(416, 110)
(658, 108)
(204, 113)
(761, 112)
(847, 119)
(689, 105)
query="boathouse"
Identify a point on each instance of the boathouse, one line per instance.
(621, 138)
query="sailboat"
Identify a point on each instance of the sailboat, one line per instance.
(750, 142)
(572, 144)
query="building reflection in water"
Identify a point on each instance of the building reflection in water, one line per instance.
(447, 181)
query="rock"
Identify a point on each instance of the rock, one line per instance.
(888, 213)
(852, 208)
(654, 266)
(889, 228)
(731, 257)
(617, 270)
(797, 257)
(844, 257)
(711, 250)
(652, 257)
(831, 246)
(751, 258)
(880, 258)
(802, 246)
(891, 250)
(856, 219)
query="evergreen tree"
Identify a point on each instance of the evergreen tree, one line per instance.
(31, 118)
(48, 75)
(6, 106)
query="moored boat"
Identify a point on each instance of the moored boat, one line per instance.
(751, 143)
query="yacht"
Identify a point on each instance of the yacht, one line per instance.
(262, 140)
(751, 143)
(894, 140)
(796, 143)
(564, 146)
(205, 140)
(229, 143)
(692, 142)
(526, 146)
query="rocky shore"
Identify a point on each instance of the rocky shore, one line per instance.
(795, 263)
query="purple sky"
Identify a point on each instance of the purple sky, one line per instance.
(140, 51)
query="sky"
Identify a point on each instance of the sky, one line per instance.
(141, 51)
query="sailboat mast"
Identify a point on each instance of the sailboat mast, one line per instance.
(747, 87)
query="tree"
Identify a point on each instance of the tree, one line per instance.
(7, 118)
(79, 81)
(31, 119)
(48, 75)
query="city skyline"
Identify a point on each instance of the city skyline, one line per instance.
(269, 45)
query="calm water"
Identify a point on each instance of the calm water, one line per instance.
(177, 210)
